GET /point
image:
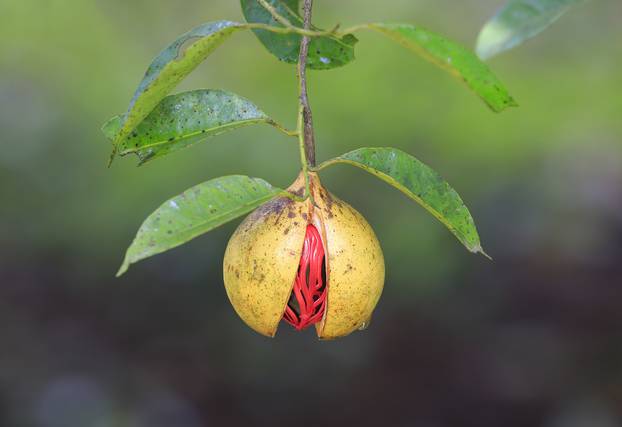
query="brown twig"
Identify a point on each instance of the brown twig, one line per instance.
(307, 116)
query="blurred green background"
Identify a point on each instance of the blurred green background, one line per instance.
(531, 339)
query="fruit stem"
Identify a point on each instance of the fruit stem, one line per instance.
(305, 109)
(305, 117)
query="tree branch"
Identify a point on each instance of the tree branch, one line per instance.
(307, 116)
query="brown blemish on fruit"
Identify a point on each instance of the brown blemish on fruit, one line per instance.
(275, 206)
(297, 191)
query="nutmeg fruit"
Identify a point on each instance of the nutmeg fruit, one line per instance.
(312, 262)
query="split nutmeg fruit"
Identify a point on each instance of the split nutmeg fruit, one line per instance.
(307, 264)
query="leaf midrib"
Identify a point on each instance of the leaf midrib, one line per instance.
(190, 135)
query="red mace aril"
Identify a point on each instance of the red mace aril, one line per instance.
(308, 300)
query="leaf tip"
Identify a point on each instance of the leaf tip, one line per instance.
(480, 250)
(121, 272)
(508, 102)
(123, 268)
(484, 50)
(110, 129)
(112, 156)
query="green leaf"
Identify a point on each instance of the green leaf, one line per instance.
(170, 67)
(196, 211)
(457, 60)
(420, 183)
(183, 120)
(325, 52)
(518, 21)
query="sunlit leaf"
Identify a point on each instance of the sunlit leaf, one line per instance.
(518, 21)
(420, 183)
(324, 52)
(196, 211)
(170, 67)
(185, 119)
(458, 60)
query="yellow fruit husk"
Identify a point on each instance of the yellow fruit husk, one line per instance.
(263, 255)
(355, 265)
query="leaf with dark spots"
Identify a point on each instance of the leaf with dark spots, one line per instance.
(185, 119)
(170, 67)
(420, 183)
(194, 212)
(450, 56)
